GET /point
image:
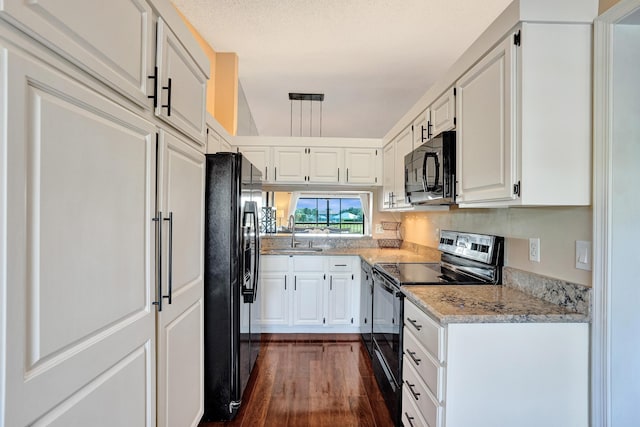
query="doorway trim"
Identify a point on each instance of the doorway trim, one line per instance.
(604, 27)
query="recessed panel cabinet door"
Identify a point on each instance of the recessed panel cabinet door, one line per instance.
(180, 322)
(340, 310)
(274, 300)
(78, 320)
(361, 165)
(181, 87)
(113, 40)
(325, 164)
(486, 138)
(308, 304)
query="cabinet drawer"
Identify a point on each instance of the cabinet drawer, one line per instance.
(417, 392)
(340, 264)
(308, 263)
(431, 372)
(411, 416)
(428, 332)
(274, 263)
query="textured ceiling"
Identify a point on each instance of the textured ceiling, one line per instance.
(373, 59)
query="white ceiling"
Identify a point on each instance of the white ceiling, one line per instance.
(373, 59)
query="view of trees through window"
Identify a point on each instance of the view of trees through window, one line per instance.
(337, 215)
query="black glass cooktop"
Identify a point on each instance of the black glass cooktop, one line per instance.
(423, 273)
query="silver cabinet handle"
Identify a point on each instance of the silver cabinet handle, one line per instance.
(330, 283)
(285, 283)
(158, 221)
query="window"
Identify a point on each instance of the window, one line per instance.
(333, 215)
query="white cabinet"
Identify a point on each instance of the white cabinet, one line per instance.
(260, 157)
(393, 180)
(362, 165)
(78, 278)
(524, 374)
(274, 295)
(325, 165)
(217, 143)
(421, 128)
(485, 135)
(307, 165)
(524, 120)
(443, 113)
(114, 42)
(181, 86)
(310, 293)
(180, 365)
(290, 164)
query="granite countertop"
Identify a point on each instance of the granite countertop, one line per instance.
(486, 304)
(370, 255)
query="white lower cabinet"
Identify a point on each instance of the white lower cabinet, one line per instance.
(494, 374)
(310, 293)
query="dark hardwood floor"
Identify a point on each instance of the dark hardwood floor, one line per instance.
(311, 380)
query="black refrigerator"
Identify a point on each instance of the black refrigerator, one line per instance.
(232, 262)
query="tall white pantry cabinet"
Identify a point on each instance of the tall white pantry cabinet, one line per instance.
(102, 140)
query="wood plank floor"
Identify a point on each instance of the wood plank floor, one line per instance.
(311, 380)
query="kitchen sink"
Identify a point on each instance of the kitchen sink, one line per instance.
(294, 250)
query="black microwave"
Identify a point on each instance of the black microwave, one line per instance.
(430, 170)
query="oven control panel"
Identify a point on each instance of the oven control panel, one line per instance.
(478, 247)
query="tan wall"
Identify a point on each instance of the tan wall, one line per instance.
(606, 4)
(226, 78)
(222, 86)
(557, 228)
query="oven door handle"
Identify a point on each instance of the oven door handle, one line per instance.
(384, 284)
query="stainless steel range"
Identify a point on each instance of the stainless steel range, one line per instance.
(467, 259)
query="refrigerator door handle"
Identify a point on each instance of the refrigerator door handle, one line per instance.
(158, 221)
(256, 255)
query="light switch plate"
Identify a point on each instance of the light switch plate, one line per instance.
(583, 255)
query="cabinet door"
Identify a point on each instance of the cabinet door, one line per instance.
(422, 128)
(78, 327)
(261, 159)
(325, 164)
(361, 165)
(180, 323)
(290, 164)
(340, 290)
(113, 41)
(443, 113)
(388, 175)
(485, 135)
(404, 145)
(308, 301)
(274, 299)
(181, 86)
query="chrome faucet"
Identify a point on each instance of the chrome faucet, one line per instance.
(291, 225)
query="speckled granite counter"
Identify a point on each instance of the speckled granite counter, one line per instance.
(486, 304)
(371, 255)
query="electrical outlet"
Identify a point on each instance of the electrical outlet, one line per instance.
(379, 229)
(534, 249)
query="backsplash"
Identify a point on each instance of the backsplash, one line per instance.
(284, 241)
(565, 294)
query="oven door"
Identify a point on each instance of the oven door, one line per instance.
(387, 340)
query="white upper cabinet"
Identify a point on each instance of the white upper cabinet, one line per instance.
(113, 41)
(443, 113)
(404, 145)
(484, 135)
(260, 157)
(290, 164)
(325, 164)
(181, 86)
(422, 128)
(388, 174)
(362, 165)
(524, 120)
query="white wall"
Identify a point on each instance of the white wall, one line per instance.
(558, 228)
